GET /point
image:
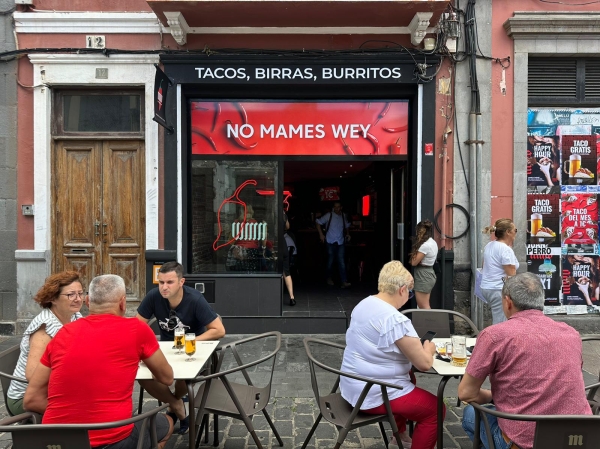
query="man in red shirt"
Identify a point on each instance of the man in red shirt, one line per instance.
(533, 362)
(88, 370)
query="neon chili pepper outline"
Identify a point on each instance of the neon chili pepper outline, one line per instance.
(215, 118)
(240, 142)
(371, 138)
(237, 200)
(287, 195)
(347, 147)
(383, 112)
(206, 137)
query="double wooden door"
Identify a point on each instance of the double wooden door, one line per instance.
(99, 210)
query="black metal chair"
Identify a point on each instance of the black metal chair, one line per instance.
(335, 409)
(551, 431)
(594, 404)
(8, 362)
(220, 396)
(437, 320)
(44, 436)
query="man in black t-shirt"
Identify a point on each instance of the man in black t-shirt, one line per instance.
(173, 303)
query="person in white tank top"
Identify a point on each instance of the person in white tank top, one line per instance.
(499, 260)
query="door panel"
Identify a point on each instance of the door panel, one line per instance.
(77, 166)
(99, 213)
(123, 211)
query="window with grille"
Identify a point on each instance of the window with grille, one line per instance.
(563, 80)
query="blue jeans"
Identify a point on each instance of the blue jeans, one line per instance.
(468, 423)
(336, 251)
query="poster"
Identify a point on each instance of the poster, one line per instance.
(579, 223)
(579, 164)
(543, 230)
(580, 280)
(547, 268)
(543, 163)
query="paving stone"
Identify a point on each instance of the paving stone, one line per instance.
(464, 443)
(303, 409)
(263, 435)
(370, 432)
(283, 413)
(237, 430)
(234, 443)
(326, 431)
(456, 430)
(304, 421)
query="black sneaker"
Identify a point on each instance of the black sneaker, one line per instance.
(184, 425)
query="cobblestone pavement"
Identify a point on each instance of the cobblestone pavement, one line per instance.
(293, 407)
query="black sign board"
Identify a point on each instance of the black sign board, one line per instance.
(294, 72)
(161, 88)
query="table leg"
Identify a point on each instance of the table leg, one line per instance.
(440, 411)
(192, 415)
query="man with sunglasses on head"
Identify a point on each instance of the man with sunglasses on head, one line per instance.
(174, 304)
(534, 365)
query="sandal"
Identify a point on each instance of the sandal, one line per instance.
(292, 302)
(184, 425)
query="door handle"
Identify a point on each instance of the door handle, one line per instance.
(104, 228)
(97, 227)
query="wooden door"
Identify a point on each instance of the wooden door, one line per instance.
(99, 210)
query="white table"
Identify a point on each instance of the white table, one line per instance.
(183, 370)
(447, 371)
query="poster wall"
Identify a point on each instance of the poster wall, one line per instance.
(563, 164)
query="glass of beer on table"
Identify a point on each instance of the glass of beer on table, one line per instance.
(179, 337)
(459, 350)
(190, 346)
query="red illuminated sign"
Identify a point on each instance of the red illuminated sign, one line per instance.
(329, 193)
(366, 205)
(301, 128)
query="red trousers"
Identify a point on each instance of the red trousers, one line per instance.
(419, 406)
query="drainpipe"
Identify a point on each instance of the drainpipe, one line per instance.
(444, 157)
(473, 237)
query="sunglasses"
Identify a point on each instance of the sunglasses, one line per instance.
(505, 278)
(411, 294)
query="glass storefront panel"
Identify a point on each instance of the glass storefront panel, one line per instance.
(234, 216)
(102, 113)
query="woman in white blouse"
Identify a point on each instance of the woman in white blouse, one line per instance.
(382, 344)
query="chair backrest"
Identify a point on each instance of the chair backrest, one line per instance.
(66, 436)
(591, 360)
(442, 322)
(552, 431)
(153, 323)
(243, 366)
(8, 362)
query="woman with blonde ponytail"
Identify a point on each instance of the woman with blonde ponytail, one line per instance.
(499, 260)
(422, 257)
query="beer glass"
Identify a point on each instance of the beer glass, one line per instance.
(574, 165)
(190, 346)
(536, 223)
(459, 350)
(179, 336)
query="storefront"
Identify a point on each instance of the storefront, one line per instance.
(255, 136)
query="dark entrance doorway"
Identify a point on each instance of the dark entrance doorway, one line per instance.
(373, 198)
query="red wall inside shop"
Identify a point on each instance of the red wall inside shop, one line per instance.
(503, 105)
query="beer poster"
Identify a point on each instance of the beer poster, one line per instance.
(580, 280)
(579, 226)
(543, 230)
(547, 268)
(543, 162)
(579, 163)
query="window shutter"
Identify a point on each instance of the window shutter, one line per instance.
(552, 77)
(592, 78)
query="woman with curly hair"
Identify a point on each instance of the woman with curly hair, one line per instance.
(60, 298)
(422, 257)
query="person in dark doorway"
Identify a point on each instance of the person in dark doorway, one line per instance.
(174, 304)
(287, 277)
(422, 257)
(336, 235)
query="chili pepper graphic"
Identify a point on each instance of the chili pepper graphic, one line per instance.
(242, 112)
(217, 113)
(383, 112)
(399, 129)
(234, 199)
(206, 137)
(371, 138)
(240, 142)
(347, 147)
